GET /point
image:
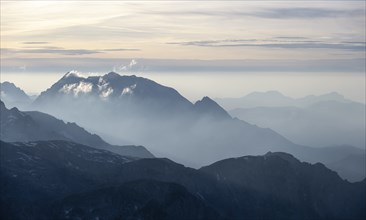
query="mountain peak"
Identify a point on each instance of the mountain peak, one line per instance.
(267, 94)
(206, 99)
(112, 75)
(208, 106)
(285, 156)
(13, 95)
(73, 73)
(6, 83)
(334, 95)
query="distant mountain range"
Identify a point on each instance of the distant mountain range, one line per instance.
(324, 120)
(65, 180)
(276, 99)
(13, 96)
(34, 126)
(143, 112)
(55, 170)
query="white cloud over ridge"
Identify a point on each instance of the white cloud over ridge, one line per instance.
(77, 88)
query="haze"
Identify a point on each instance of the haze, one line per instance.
(269, 45)
(183, 110)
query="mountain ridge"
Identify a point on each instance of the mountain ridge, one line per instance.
(169, 129)
(36, 126)
(13, 95)
(274, 98)
(231, 188)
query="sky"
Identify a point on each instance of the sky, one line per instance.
(185, 37)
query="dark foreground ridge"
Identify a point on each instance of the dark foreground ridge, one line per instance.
(65, 180)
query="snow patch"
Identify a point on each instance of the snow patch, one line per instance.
(102, 84)
(105, 93)
(77, 88)
(83, 87)
(103, 88)
(67, 88)
(128, 90)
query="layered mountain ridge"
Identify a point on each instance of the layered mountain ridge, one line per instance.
(141, 111)
(18, 126)
(68, 180)
(13, 95)
(57, 170)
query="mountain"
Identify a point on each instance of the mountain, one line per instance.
(159, 117)
(126, 91)
(140, 199)
(324, 123)
(34, 126)
(332, 97)
(308, 189)
(269, 98)
(352, 167)
(276, 99)
(34, 174)
(13, 95)
(207, 106)
(60, 179)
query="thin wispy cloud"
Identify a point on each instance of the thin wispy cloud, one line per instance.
(306, 13)
(120, 49)
(284, 43)
(35, 42)
(61, 51)
(270, 13)
(200, 32)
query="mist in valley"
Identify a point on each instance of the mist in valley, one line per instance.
(163, 111)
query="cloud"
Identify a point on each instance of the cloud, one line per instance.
(35, 42)
(306, 13)
(271, 13)
(121, 49)
(104, 65)
(277, 42)
(77, 88)
(61, 51)
(42, 47)
(51, 51)
(131, 67)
